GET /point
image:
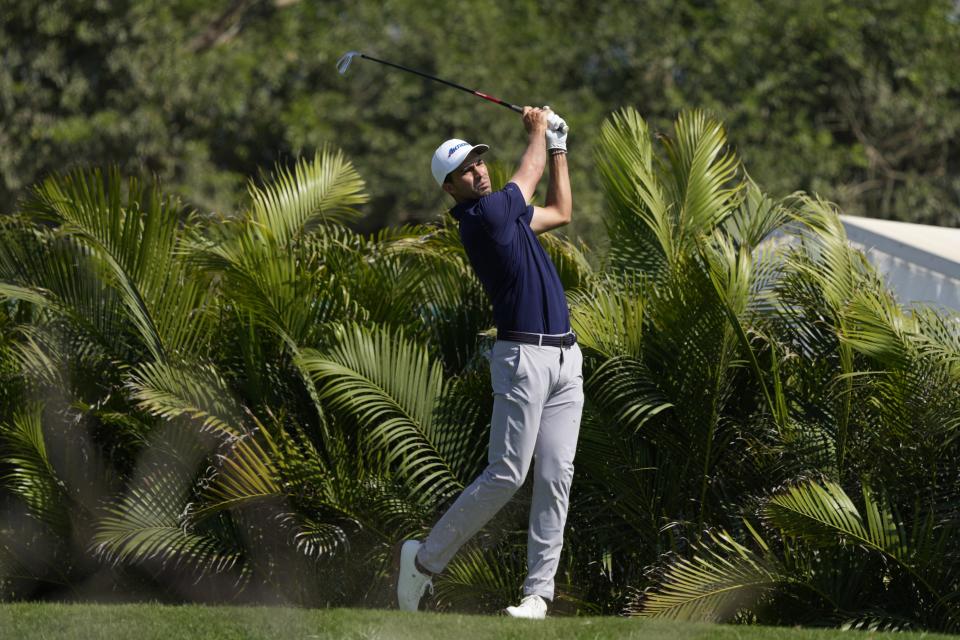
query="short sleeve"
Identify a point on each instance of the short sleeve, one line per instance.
(527, 216)
(500, 210)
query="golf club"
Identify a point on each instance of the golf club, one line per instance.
(344, 63)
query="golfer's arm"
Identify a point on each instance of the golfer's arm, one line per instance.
(558, 209)
(532, 163)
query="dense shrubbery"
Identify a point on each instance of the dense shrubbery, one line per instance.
(257, 408)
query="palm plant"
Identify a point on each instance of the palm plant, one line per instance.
(826, 560)
(259, 407)
(667, 332)
(801, 363)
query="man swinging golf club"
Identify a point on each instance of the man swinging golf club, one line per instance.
(535, 364)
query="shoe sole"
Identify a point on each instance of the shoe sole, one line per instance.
(506, 614)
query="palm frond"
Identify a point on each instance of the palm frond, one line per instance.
(481, 580)
(132, 234)
(273, 282)
(639, 209)
(389, 386)
(732, 272)
(722, 578)
(626, 488)
(625, 388)
(37, 352)
(756, 217)
(702, 171)
(26, 294)
(608, 316)
(821, 513)
(30, 474)
(148, 524)
(940, 338)
(62, 279)
(877, 327)
(460, 429)
(199, 392)
(324, 189)
(834, 265)
(316, 539)
(246, 472)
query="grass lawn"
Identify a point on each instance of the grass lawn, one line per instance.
(147, 621)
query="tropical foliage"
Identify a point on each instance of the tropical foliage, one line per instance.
(259, 407)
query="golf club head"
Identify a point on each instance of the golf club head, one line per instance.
(344, 62)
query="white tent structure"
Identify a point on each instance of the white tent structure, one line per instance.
(921, 263)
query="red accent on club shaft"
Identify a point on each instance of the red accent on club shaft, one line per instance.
(498, 101)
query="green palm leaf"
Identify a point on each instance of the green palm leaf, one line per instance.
(626, 487)
(30, 475)
(939, 338)
(246, 472)
(819, 512)
(26, 294)
(722, 578)
(37, 353)
(482, 580)
(608, 317)
(701, 175)
(389, 386)
(62, 278)
(822, 513)
(198, 392)
(149, 522)
(625, 388)
(322, 190)
(756, 217)
(733, 272)
(877, 327)
(637, 205)
(133, 236)
(247, 466)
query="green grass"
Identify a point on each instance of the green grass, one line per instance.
(147, 621)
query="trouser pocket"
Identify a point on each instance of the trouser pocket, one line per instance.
(507, 372)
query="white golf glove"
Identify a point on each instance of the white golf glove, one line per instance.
(556, 132)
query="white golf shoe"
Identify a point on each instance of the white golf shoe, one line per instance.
(411, 584)
(532, 607)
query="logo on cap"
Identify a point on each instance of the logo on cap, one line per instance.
(454, 148)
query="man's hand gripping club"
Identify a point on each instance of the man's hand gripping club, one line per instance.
(545, 129)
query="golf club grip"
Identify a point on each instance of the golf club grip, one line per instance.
(498, 101)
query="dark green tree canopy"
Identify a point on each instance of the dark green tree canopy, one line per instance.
(855, 101)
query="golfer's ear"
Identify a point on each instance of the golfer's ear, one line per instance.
(448, 187)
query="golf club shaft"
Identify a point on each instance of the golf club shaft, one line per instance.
(447, 82)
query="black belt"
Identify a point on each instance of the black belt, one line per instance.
(566, 340)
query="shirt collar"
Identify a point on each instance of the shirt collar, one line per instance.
(461, 208)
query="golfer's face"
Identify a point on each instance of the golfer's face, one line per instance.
(470, 180)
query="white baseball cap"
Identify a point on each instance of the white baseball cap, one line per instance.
(450, 154)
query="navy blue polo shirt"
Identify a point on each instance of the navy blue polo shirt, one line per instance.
(510, 262)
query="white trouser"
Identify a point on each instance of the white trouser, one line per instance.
(538, 399)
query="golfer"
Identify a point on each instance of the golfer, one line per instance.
(535, 364)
